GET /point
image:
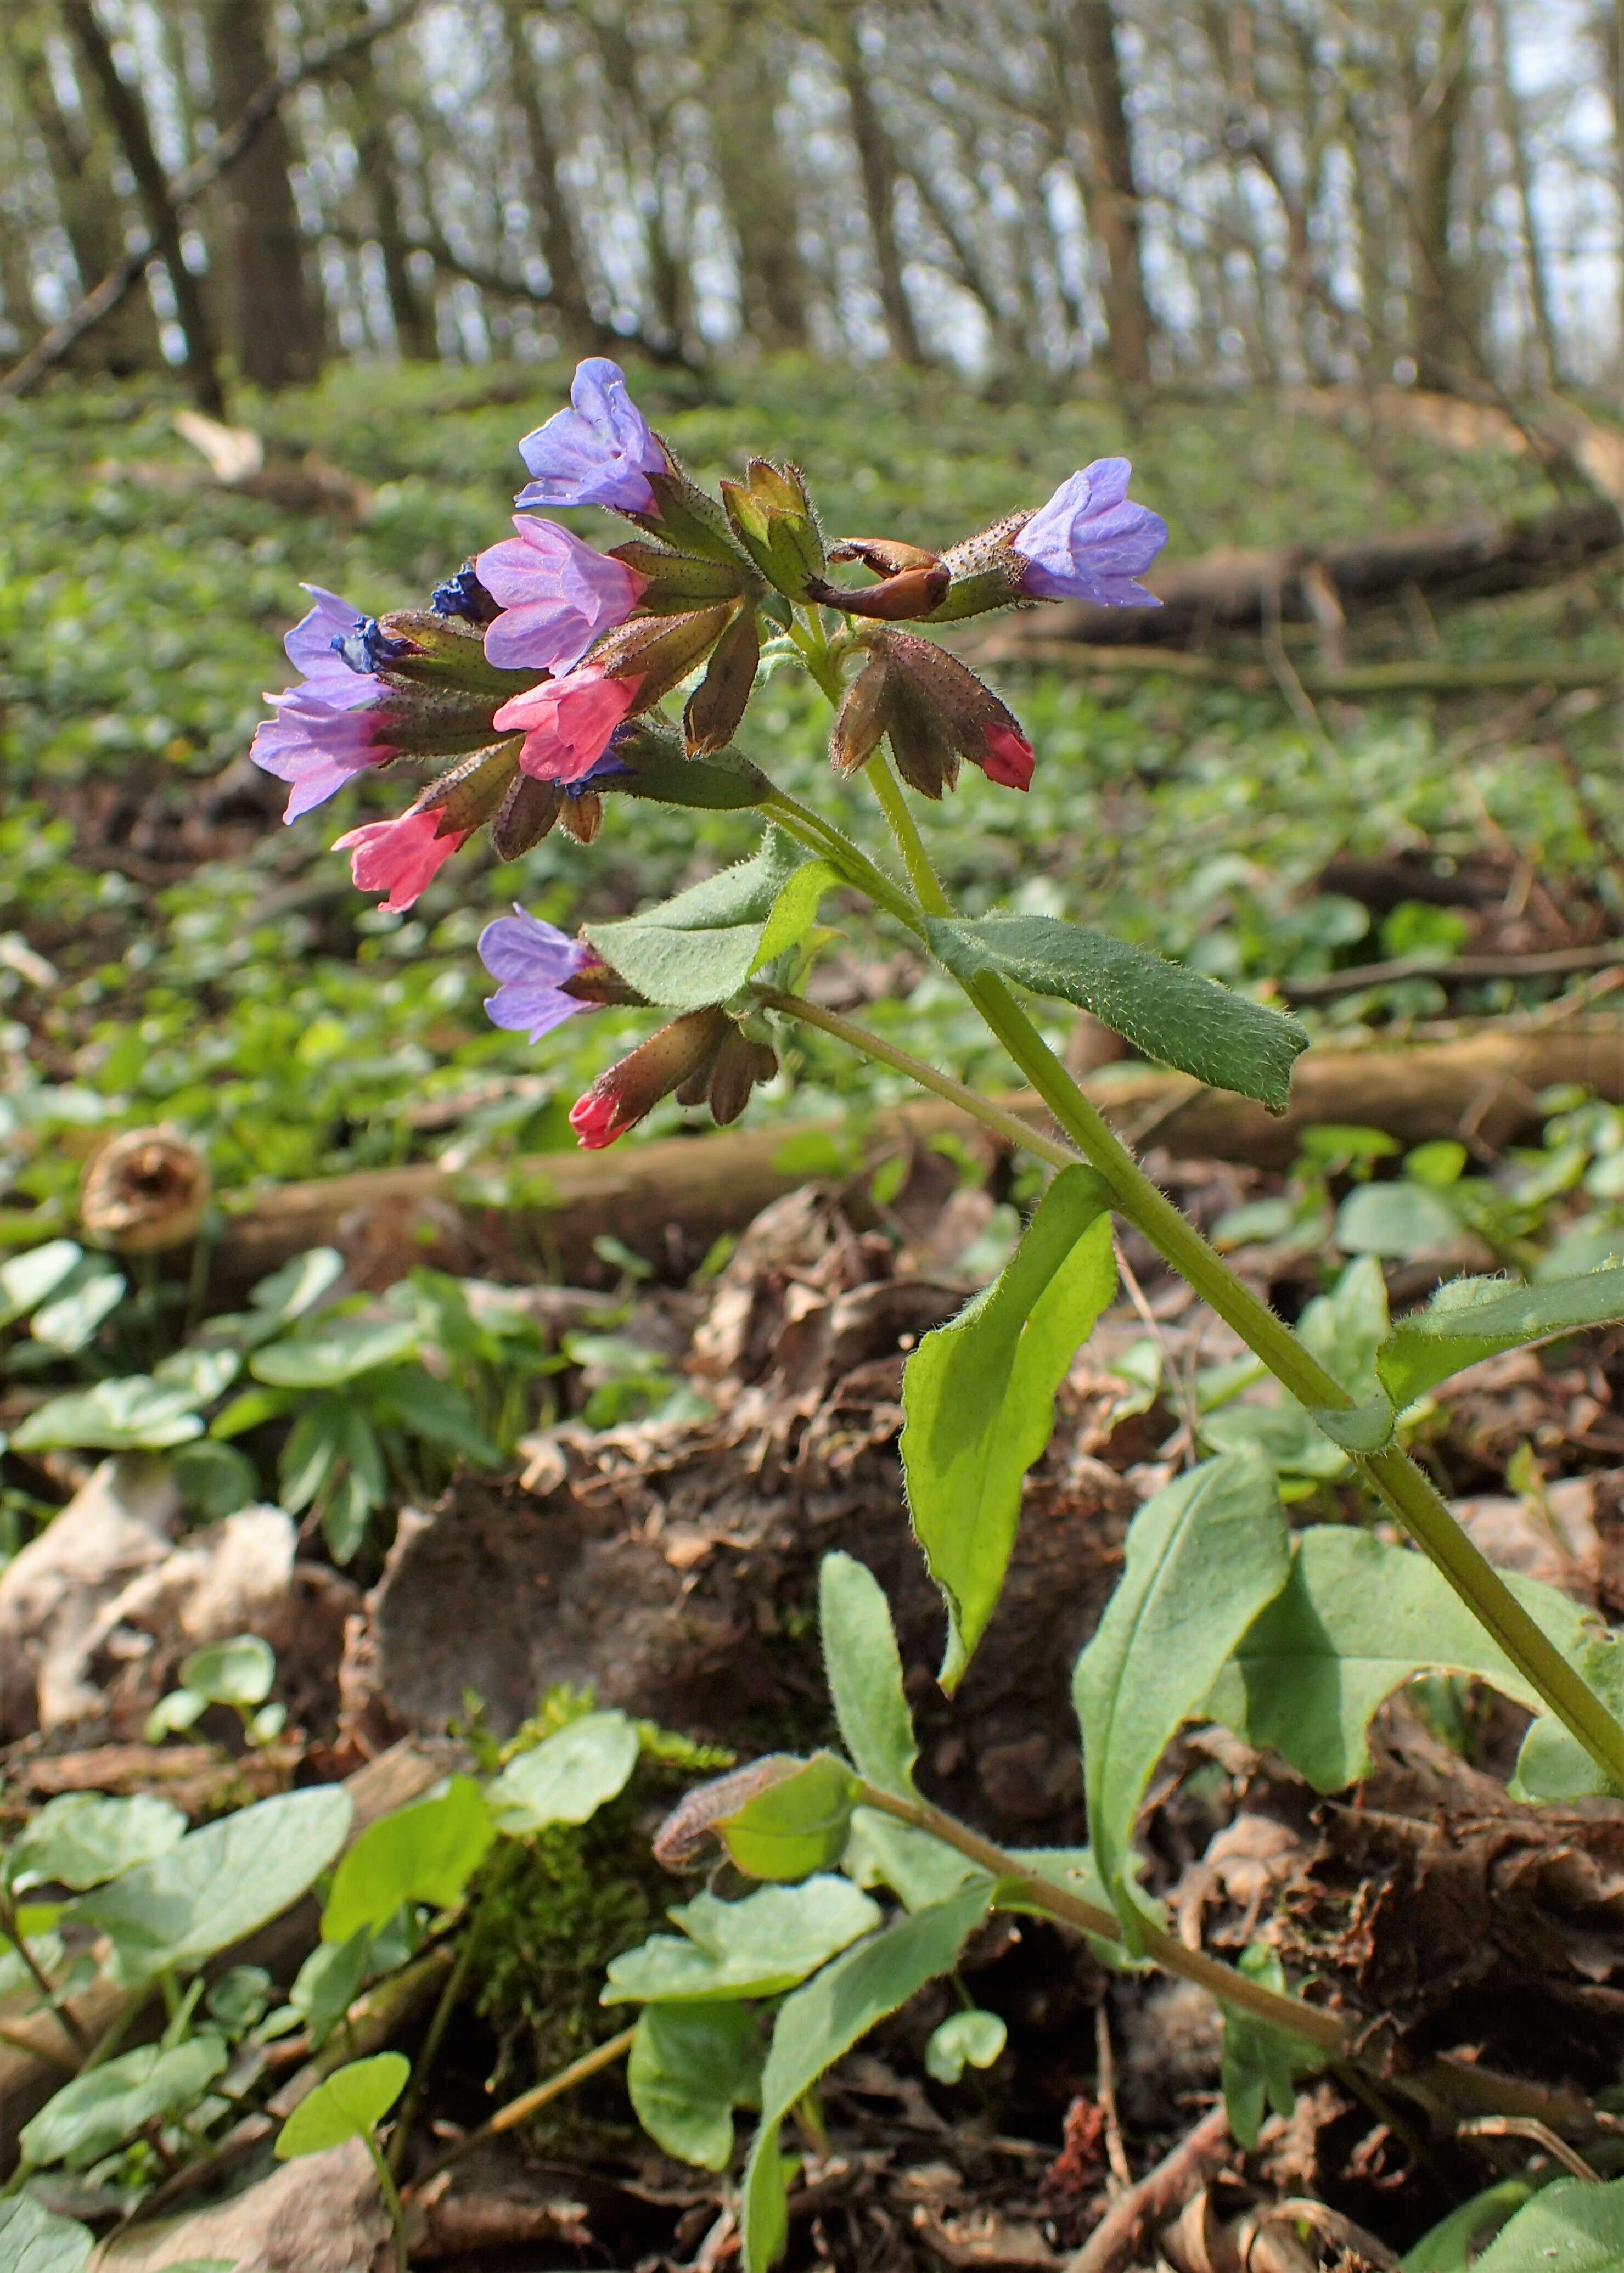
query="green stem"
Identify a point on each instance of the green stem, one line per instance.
(450, 1996)
(392, 2201)
(67, 2019)
(1323, 2030)
(894, 804)
(821, 836)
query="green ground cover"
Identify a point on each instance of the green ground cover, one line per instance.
(257, 1003)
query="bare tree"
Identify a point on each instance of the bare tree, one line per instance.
(275, 321)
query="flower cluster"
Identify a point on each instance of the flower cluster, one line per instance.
(539, 667)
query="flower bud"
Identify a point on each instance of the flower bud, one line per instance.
(525, 815)
(739, 1065)
(718, 704)
(630, 1090)
(860, 722)
(687, 519)
(912, 581)
(468, 795)
(145, 1191)
(935, 713)
(772, 518)
(985, 572)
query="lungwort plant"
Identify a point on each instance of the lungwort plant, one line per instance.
(540, 673)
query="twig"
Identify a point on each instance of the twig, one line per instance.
(1157, 2195)
(1105, 2087)
(1540, 2134)
(221, 155)
(1460, 971)
(527, 2104)
(1415, 676)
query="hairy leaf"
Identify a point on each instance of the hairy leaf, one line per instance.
(1571, 2226)
(978, 1398)
(1468, 1319)
(1166, 1011)
(1202, 1559)
(702, 946)
(865, 1674)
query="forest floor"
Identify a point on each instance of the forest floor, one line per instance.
(652, 1463)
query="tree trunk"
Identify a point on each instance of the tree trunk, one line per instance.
(758, 188)
(275, 320)
(127, 115)
(410, 310)
(92, 217)
(1113, 204)
(1442, 332)
(549, 211)
(877, 170)
(1514, 127)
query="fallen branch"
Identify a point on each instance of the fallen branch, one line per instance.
(1460, 970)
(670, 1199)
(1159, 2195)
(221, 155)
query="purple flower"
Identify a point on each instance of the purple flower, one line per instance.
(1090, 543)
(322, 734)
(557, 595)
(599, 453)
(531, 960)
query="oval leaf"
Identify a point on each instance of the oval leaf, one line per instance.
(33, 2240)
(349, 2104)
(425, 1853)
(320, 1359)
(566, 1778)
(865, 1674)
(108, 2104)
(236, 1672)
(82, 1840)
(758, 1947)
(132, 1414)
(799, 1824)
(963, 2040)
(691, 2066)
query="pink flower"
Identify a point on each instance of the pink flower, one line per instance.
(599, 1117)
(566, 723)
(1008, 757)
(400, 857)
(557, 595)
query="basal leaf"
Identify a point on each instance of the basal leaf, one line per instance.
(82, 1840)
(33, 2240)
(1457, 2241)
(757, 1947)
(1166, 1011)
(566, 1778)
(133, 1413)
(973, 2039)
(424, 1853)
(978, 1398)
(108, 2104)
(94, 1287)
(1356, 1619)
(32, 1277)
(1398, 1220)
(299, 1285)
(338, 1352)
(350, 2103)
(865, 1674)
(1202, 1559)
(219, 1883)
(1469, 1319)
(691, 2066)
(824, 2019)
(1260, 2066)
(702, 946)
(239, 1671)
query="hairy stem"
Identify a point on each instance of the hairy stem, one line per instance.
(1392, 1474)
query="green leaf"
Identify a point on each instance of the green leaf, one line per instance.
(1284, 1433)
(799, 1824)
(79, 1304)
(1469, 1319)
(918, 1869)
(436, 1411)
(865, 1674)
(1345, 1328)
(108, 2104)
(219, 1884)
(757, 1947)
(294, 1289)
(1166, 1011)
(1455, 2244)
(706, 784)
(328, 1983)
(213, 1480)
(33, 2240)
(82, 1840)
(350, 2103)
(1552, 1764)
(701, 947)
(824, 2019)
(338, 1352)
(1202, 1559)
(973, 2039)
(566, 1778)
(204, 1374)
(133, 1415)
(1260, 2066)
(1571, 2226)
(978, 1398)
(425, 1853)
(30, 1279)
(172, 1714)
(236, 1672)
(1356, 1619)
(691, 2066)
(1397, 1220)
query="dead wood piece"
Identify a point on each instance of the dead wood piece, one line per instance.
(1235, 589)
(321, 2215)
(1157, 2196)
(670, 1199)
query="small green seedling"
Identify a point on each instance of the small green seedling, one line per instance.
(237, 1673)
(351, 2104)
